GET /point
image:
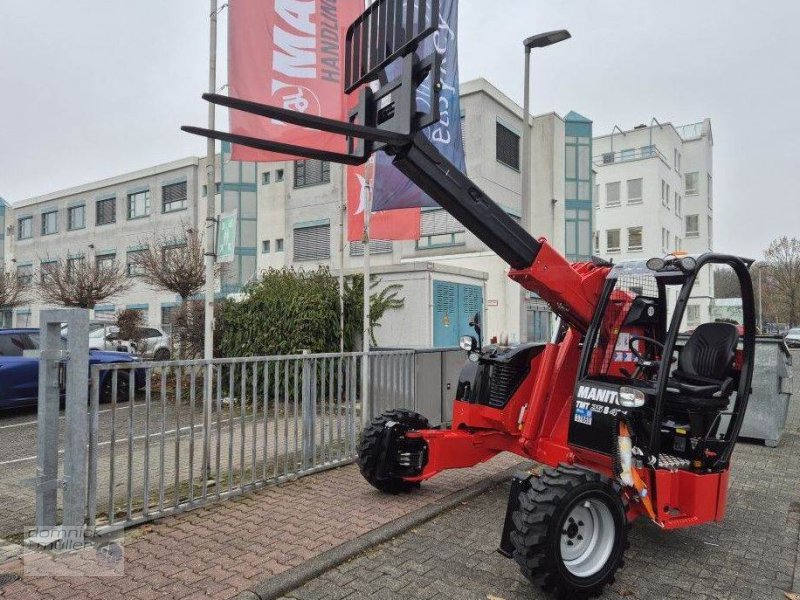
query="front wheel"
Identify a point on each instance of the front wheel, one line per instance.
(570, 532)
(372, 455)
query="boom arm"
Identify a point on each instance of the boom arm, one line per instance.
(387, 119)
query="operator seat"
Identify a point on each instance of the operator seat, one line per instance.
(702, 380)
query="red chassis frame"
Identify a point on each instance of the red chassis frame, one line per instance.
(534, 424)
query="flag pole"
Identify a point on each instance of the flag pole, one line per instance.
(365, 376)
(342, 211)
(210, 229)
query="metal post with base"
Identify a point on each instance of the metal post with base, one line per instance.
(71, 361)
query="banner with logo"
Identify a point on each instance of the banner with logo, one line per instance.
(393, 190)
(391, 225)
(290, 54)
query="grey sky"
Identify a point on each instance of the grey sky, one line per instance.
(92, 89)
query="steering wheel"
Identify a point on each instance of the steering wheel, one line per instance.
(646, 361)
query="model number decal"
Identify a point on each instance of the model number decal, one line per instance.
(583, 415)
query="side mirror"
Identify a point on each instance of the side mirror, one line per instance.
(475, 323)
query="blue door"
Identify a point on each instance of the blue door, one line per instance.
(454, 305)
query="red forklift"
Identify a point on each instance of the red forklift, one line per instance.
(631, 417)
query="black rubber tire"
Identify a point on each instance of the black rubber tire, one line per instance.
(369, 449)
(161, 354)
(543, 510)
(106, 387)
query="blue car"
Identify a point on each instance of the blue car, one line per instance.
(19, 375)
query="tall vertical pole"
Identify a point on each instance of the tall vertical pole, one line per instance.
(342, 212)
(208, 346)
(210, 254)
(365, 375)
(526, 202)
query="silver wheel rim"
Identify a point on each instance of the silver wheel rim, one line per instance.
(587, 537)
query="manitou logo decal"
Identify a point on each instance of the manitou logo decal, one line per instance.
(586, 392)
(304, 51)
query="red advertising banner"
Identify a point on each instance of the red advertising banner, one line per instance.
(399, 224)
(290, 54)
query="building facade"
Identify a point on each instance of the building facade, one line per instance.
(653, 195)
(290, 214)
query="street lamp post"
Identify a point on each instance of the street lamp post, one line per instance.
(540, 40)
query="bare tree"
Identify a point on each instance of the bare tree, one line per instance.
(81, 283)
(13, 290)
(782, 275)
(173, 264)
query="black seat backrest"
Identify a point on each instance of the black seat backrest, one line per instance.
(709, 351)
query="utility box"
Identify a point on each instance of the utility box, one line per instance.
(768, 406)
(437, 372)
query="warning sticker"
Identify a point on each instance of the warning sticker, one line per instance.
(583, 415)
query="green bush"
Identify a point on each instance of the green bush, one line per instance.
(288, 311)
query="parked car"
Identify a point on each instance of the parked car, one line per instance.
(153, 344)
(19, 374)
(792, 338)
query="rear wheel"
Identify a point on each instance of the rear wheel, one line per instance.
(123, 386)
(371, 454)
(161, 354)
(570, 532)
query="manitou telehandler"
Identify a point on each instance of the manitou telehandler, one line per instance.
(633, 418)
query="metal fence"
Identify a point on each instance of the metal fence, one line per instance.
(156, 447)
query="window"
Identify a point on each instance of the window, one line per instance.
(105, 261)
(692, 226)
(265, 247)
(678, 168)
(507, 146)
(678, 204)
(691, 183)
(665, 239)
(72, 265)
(710, 190)
(612, 194)
(14, 344)
(375, 247)
(139, 204)
(597, 241)
(278, 175)
(612, 240)
(677, 243)
(265, 177)
(597, 196)
(167, 315)
(578, 233)
(634, 239)
(173, 197)
(25, 226)
(205, 190)
(106, 211)
(25, 274)
(132, 269)
(663, 191)
(173, 250)
(608, 158)
(279, 245)
(675, 158)
(47, 267)
(439, 229)
(311, 172)
(666, 197)
(312, 243)
(50, 222)
(628, 154)
(693, 313)
(635, 191)
(76, 217)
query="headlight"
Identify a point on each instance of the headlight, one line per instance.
(631, 397)
(467, 343)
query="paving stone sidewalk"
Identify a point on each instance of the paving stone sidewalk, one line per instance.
(753, 554)
(225, 548)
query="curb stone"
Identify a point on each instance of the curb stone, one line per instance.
(277, 586)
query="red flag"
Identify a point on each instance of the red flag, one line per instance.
(399, 224)
(290, 54)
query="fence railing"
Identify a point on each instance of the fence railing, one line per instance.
(157, 446)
